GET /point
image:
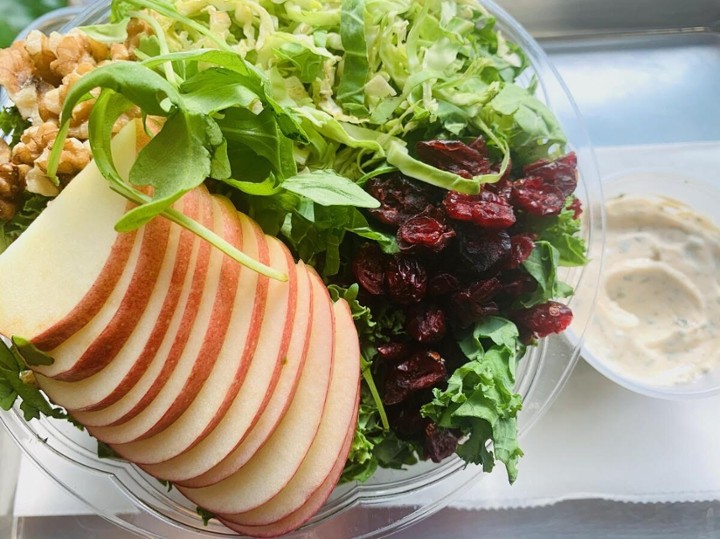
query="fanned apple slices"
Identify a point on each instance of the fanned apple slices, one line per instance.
(240, 389)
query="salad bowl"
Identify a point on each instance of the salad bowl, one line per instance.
(392, 499)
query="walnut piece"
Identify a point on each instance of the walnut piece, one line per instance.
(12, 186)
(78, 52)
(33, 142)
(37, 74)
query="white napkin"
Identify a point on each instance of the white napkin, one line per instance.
(602, 441)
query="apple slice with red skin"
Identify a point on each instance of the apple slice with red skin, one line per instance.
(103, 348)
(236, 435)
(153, 379)
(259, 333)
(112, 382)
(340, 417)
(274, 464)
(307, 510)
(38, 268)
(201, 350)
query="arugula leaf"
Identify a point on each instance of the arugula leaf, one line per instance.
(327, 188)
(531, 129)
(350, 91)
(205, 515)
(107, 32)
(562, 232)
(480, 399)
(12, 124)
(316, 233)
(307, 63)
(217, 89)
(131, 86)
(16, 382)
(31, 354)
(254, 79)
(542, 264)
(104, 451)
(181, 151)
(261, 134)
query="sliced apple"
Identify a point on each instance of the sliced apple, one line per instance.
(273, 465)
(339, 417)
(309, 508)
(259, 333)
(95, 345)
(234, 440)
(163, 362)
(129, 363)
(38, 266)
(201, 350)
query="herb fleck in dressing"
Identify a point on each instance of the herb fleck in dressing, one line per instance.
(658, 310)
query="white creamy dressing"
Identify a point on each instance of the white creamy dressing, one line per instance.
(657, 317)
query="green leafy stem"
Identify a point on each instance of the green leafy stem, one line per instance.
(193, 141)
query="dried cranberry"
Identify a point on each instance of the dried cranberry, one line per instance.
(480, 146)
(424, 233)
(475, 302)
(522, 246)
(537, 197)
(518, 283)
(405, 418)
(369, 269)
(442, 283)
(400, 198)
(426, 324)
(561, 173)
(394, 351)
(406, 279)
(576, 207)
(542, 320)
(487, 209)
(422, 370)
(439, 443)
(454, 156)
(502, 188)
(483, 249)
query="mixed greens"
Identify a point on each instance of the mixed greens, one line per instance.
(289, 108)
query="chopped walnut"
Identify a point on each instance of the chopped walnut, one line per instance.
(78, 52)
(7, 210)
(12, 186)
(5, 151)
(38, 182)
(51, 105)
(75, 157)
(37, 74)
(33, 142)
(42, 56)
(17, 76)
(118, 51)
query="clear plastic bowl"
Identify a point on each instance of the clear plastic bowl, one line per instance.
(703, 197)
(391, 500)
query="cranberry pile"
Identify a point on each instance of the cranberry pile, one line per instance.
(461, 260)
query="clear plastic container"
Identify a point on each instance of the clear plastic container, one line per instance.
(391, 500)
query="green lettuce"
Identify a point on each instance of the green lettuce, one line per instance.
(480, 400)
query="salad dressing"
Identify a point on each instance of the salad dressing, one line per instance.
(658, 309)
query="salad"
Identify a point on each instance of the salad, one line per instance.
(395, 147)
